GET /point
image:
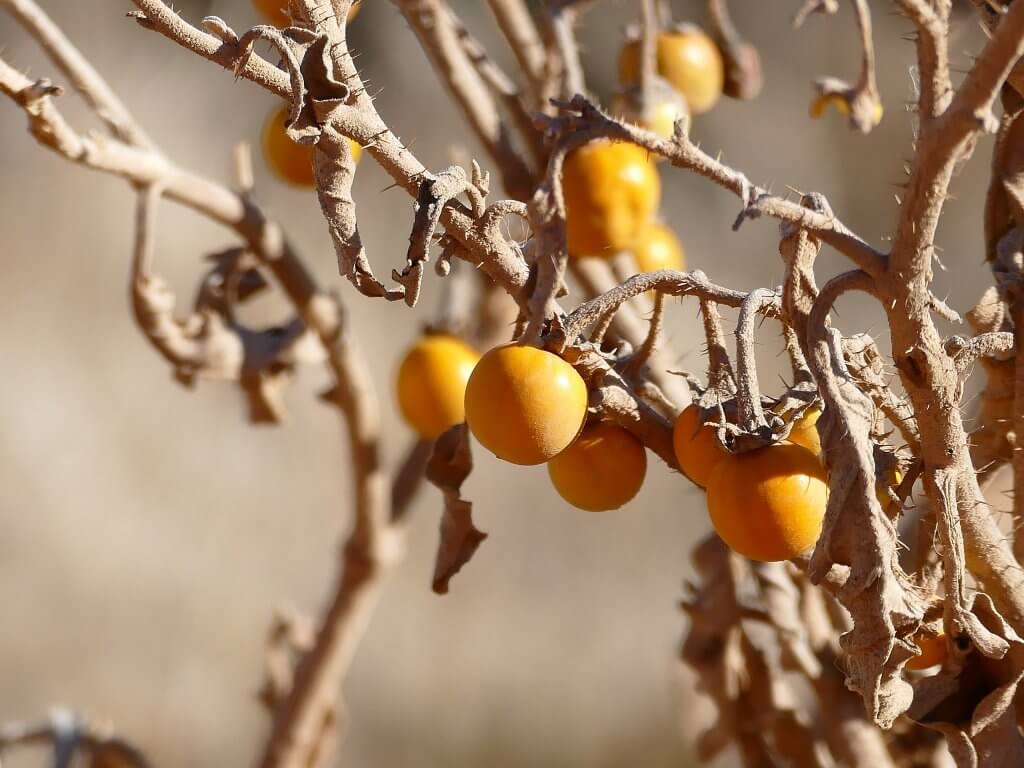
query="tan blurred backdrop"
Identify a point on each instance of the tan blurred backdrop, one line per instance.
(147, 533)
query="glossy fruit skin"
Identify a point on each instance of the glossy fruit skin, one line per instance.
(656, 248)
(768, 504)
(612, 192)
(688, 59)
(696, 447)
(804, 431)
(933, 651)
(276, 11)
(525, 405)
(431, 384)
(291, 162)
(602, 470)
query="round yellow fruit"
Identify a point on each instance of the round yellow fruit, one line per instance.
(696, 447)
(933, 651)
(291, 162)
(431, 384)
(688, 59)
(525, 405)
(656, 248)
(612, 191)
(603, 469)
(768, 504)
(805, 431)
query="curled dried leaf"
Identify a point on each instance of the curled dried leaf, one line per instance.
(448, 467)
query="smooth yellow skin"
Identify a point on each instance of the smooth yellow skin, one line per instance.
(276, 11)
(525, 405)
(768, 504)
(656, 248)
(805, 433)
(689, 60)
(431, 384)
(289, 161)
(696, 448)
(659, 117)
(602, 470)
(933, 651)
(612, 191)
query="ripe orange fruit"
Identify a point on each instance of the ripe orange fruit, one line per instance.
(524, 404)
(933, 651)
(291, 162)
(431, 384)
(656, 248)
(696, 447)
(612, 191)
(603, 468)
(804, 431)
(688, 59)
(768, 504)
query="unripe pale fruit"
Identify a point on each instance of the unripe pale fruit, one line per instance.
(688, 59)
(612, 192)
(696, 447)
(431, 384)
(525, 405)
(276, 11)
(656, 248)
(603, 469)
(291, 162)
(768, 504)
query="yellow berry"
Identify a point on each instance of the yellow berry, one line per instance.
(603, 469)
(290, 161)
(804, 431)
(768, 504)
(696, 447)
(524, 404)
(933, 651)
(688, 59)
(612, 191)
(431, 384)
(656, 248)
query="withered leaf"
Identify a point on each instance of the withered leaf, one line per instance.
(449, 466)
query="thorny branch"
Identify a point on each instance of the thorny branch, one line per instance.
(856, 558)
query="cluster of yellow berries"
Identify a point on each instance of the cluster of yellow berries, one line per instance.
(612, 189)
(527, 406)
(289, 161)
(766, 504)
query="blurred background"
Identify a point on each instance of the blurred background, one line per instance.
(148, 533)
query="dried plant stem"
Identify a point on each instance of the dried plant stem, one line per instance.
(437, 29)
(562, 20)
(523, 37)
